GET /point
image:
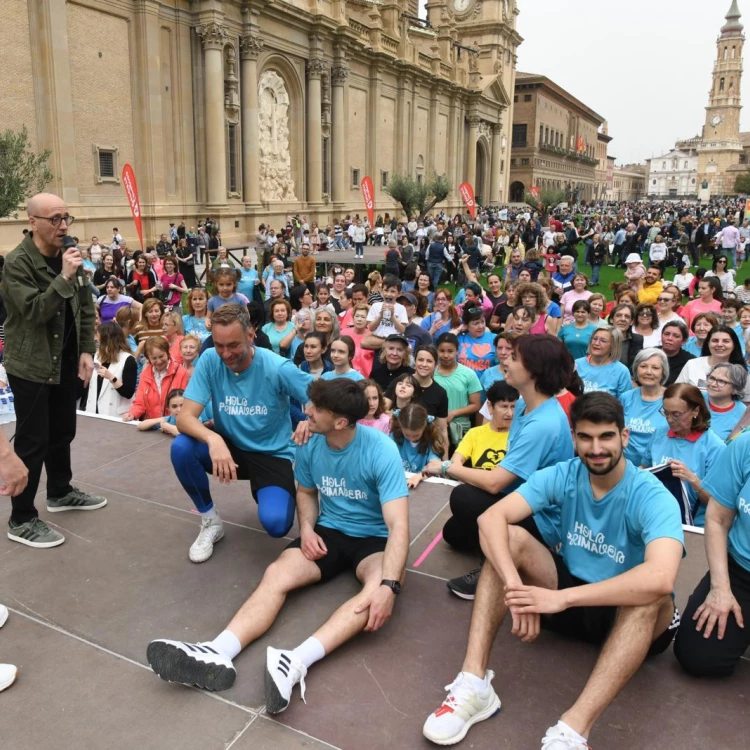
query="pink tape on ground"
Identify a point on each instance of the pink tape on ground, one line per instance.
(430, 547)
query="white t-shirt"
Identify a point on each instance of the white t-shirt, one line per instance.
(386, 328)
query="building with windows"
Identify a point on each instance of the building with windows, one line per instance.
(603, 174)
(554, 140)
(629, 182)
(250, 110)
(673, 175)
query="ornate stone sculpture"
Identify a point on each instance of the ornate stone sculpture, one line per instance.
(213, 35)
(339, 75)
(231, 84)
(250, 47)
(276, 183)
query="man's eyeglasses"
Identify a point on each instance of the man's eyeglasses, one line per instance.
(711, 380)
(55, 220)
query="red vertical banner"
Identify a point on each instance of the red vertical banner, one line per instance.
(131, 190)
(535, 191)
(467, 193)
(368, 193)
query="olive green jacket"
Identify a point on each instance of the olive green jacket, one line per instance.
(35, 300)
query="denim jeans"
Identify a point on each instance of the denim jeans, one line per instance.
(595, 270)
(435, 271)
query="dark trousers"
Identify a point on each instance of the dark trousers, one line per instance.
(711, 657)
(467, 504)
(45, 428)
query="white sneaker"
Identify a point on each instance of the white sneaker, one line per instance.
(3, 614)
(283, 671)
(7, 675)
(558, 739)
(212, 531)
(463, 708)
(191, 664)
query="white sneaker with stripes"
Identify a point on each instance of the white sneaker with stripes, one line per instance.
(191, 664)
(283, 671)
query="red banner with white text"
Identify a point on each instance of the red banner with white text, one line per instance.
(368, 193)
(131, 190)
(467, 193)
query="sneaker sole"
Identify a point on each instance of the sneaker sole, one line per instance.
(203, 558)
(9, 681)
(174, 665)
(3, 618)
(275, 701)
(63, 508)
(487, 713)
(36, 545)
(461, 594)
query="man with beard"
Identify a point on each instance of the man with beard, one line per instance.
(619, 545)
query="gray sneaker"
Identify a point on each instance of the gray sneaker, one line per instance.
(75, 500)
(34, 533)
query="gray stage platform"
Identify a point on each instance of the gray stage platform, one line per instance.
(82, 615)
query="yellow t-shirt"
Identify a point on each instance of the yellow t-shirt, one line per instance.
(484, 447)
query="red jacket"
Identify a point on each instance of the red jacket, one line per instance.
(147, 402)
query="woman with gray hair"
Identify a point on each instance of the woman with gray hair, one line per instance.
(725, 385)
(642, 404)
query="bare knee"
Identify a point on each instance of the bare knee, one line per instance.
(278, 578)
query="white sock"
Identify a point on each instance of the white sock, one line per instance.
(310, 651)
(227, 644)
(570, 732)
(211, 513)
(478, 683)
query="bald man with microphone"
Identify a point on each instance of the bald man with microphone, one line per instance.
(49, 348)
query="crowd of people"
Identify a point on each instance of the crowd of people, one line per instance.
(479, 354)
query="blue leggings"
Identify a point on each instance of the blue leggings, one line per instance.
(192, 464)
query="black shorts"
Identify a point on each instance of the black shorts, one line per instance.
(262, 470)
(344, 552)
(593, 624)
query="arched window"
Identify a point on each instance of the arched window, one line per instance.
(731, 83)
(734, 50)
(685, 166)
(726, 52)
(721, 84)
(664, 165)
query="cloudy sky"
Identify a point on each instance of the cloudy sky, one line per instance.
(643, 65)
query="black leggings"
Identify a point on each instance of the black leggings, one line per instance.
(711, 657)
(467, 503)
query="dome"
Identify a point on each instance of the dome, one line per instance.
(733, 20)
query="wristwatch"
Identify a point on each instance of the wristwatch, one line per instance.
(444, 468)
(394, 586)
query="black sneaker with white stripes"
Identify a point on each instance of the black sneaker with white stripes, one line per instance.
(197, 664)
(283, 671)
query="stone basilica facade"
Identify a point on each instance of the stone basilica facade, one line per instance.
(250, 110)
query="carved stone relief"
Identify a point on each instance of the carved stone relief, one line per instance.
(276, 181)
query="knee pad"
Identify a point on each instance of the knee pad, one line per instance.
(275, 510)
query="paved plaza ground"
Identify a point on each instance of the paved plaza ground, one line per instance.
(82, 615)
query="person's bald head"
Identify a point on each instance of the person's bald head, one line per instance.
(42, 209)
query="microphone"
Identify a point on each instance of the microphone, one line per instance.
(69, 242)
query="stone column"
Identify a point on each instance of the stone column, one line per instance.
(214, 37)
(250, 47)
(315, 69)
(373, 136)
(495, 174)
(339, 76)
(471, 163)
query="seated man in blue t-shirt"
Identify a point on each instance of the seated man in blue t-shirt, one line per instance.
(353, 515)
(620, 547)
(248, 390)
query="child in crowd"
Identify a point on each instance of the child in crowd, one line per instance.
(225, 293)
(363, 358)
(418, 440)
(195, 320)
(149, 324)
(404, 391)
(341, 354)
(532, 263)
(323, 299)
(634, 271)
(743, 292)
(168, 424)
(377, 416)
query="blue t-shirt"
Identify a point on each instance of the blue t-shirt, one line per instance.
(353, 482)
(613, 377)
(642, 418)
(723, 422)
(413, 461)
(251, 409)
(352, 375)
(691, 345)
(430, 319)
(536, 441)
(576, 340)
(196, 326)
(216, 301)
(275, 336)
(698, 456)
(246, 283)
(491, 376)
(728, 482)
(553, 310)
(477, 354)
(601, 539)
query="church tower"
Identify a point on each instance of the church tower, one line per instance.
(720, 145)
